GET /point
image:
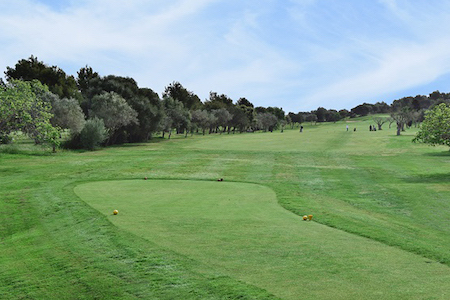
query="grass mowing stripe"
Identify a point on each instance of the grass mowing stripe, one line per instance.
(311, 171)
(57, 247)
(345, 184)
(240, 230)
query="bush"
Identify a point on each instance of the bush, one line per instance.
(5, 139)
(10, 149)
(93, 134)
(74, 142)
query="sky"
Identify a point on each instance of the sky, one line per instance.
(295, 54)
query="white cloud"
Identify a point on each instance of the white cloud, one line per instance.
(297, 54)
(399, 68)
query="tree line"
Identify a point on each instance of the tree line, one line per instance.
(42, 100)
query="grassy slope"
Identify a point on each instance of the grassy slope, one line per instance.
(54, 246)
(370, 183)
(240, 230)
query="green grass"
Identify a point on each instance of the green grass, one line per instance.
(380, 206)
(239, 229)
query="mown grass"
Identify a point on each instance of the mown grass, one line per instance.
(240, 230)
(54, 246)
(373, 184)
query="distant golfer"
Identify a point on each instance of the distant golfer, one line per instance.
(346, 127)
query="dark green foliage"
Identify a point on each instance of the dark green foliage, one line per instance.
(55, 78)
(176, 115)
(266, 121)
(239, 118)
(223, 117)
(325, 115)
(144, 101)
(190, 100)
(86, 81)
(124, 86)
(362, 109)
(5, 139)
(114, 111)
(344, 113)
(202, 119)
(260, 110)
(217, 101)
(420, 102)
(277, 112)
(149, 115)
(296, 118)
(381, 108)
(332, 115)
(244, 102)
(310, 117)
(320, 113)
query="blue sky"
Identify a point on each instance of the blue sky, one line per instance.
(294, 54)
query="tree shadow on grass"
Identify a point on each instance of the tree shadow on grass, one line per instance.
(429, 178)
(443, 153)
(14, 149)
(136, 145)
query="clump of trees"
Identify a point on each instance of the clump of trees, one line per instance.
(53, 77)
(95, 110)
(108, 110)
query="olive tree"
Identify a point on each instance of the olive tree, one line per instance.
(223, 117)
(114, 111)
(201, 119)
(176, 116)
(401, 117)
(266, 121)
(379, 121)
(68, 114)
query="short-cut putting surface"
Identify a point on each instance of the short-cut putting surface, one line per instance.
(238, 229)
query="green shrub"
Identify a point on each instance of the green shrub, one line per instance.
(10, 149)
(5, 139)
(93, 134)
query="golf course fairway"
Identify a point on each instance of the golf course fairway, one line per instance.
(240, 230)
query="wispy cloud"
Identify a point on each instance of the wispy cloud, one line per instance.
(296, 54)
(413, 57)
